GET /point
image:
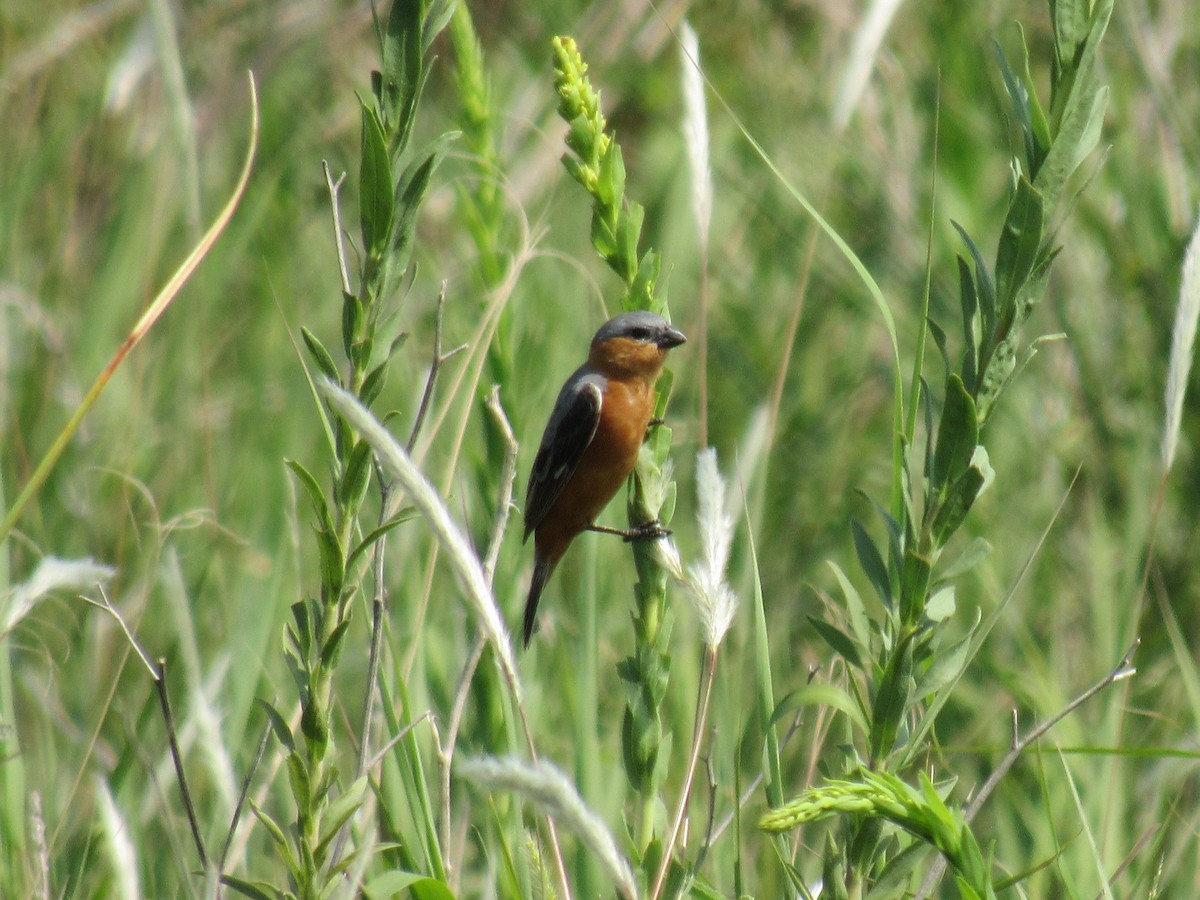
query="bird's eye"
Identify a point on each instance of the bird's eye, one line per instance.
(639, 334)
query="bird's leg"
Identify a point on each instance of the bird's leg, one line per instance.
(651, 425)
(647, 531)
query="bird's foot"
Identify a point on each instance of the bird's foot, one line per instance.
(647, 531)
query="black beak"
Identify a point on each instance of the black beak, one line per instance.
(670, 337)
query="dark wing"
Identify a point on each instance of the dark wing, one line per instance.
(570, 430)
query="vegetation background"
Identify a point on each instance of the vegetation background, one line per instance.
(123, 128)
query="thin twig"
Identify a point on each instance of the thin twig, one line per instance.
(399, 736)
(704, 695)
(508, 475)
(334, 187)
(445, 753)
(107, 606)
(378, 606)
(160, 683)
(434, 366)
(1124, 669)
(242, 796)
(712, 809)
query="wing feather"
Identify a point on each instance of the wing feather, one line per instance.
(570, 430)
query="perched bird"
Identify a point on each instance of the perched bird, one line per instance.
(592, 440)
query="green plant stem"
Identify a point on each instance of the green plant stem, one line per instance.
(708, 672)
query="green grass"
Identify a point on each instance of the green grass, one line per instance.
(176, 478)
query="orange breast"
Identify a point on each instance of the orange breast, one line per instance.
(607, 462)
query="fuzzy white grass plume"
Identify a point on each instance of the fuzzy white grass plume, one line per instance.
(543, 784)
(425, 498)
(868, 38)
(52, 574)
(695, 130)
(1183, 338)
(714, 598)
(704, 581)
(122, 856)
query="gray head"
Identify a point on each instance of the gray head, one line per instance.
(641, 326)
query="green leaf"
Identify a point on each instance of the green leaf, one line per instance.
(256, 890)
(282, 845)
(947, 665)
(941, 604)
(969, 558)
(340, 811)
(984, 287)
(641, 293)
(960, 497)
(1018, 95)
(1077, 103)
(841, 642)
(279, 726)
(303, 618)
(400, 78)
(860, 623)
(324, 362)
(818, 694)
(604, 239)
(356, 478)
(352, 316)
(914, 582)
(333, 572)
(390, 884)
(958, 436)
(298, 776)
(410, 192)
(971, 327)
(872, 562)
(629, 231)
(373, 384)
(892, 699)
(374, 186)
(1020, 243)
(405, 515)
(313, 489)
(333, 647)
(610, 185)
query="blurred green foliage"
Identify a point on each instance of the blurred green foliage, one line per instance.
(177, 477)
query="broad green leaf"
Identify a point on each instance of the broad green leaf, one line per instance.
(892, 699)
(279, 726)
(818, 694)
(971, 327)
(410, 192)
(1020, 242)
(969, 558)
(946, 667)
(313, 489)
(914, 583)
(872, 562)
(401, 74)
(841, 642)
(340, 811)
(255, 890)
(860, 623)
(985, 288)
(324, 362)
(958, 436)
(941, 604)
(390, 884)
(331, 652)
(374, 186)
(282, 845)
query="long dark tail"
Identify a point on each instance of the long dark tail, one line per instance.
(541, 574)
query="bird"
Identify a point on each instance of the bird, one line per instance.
(591, 442)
